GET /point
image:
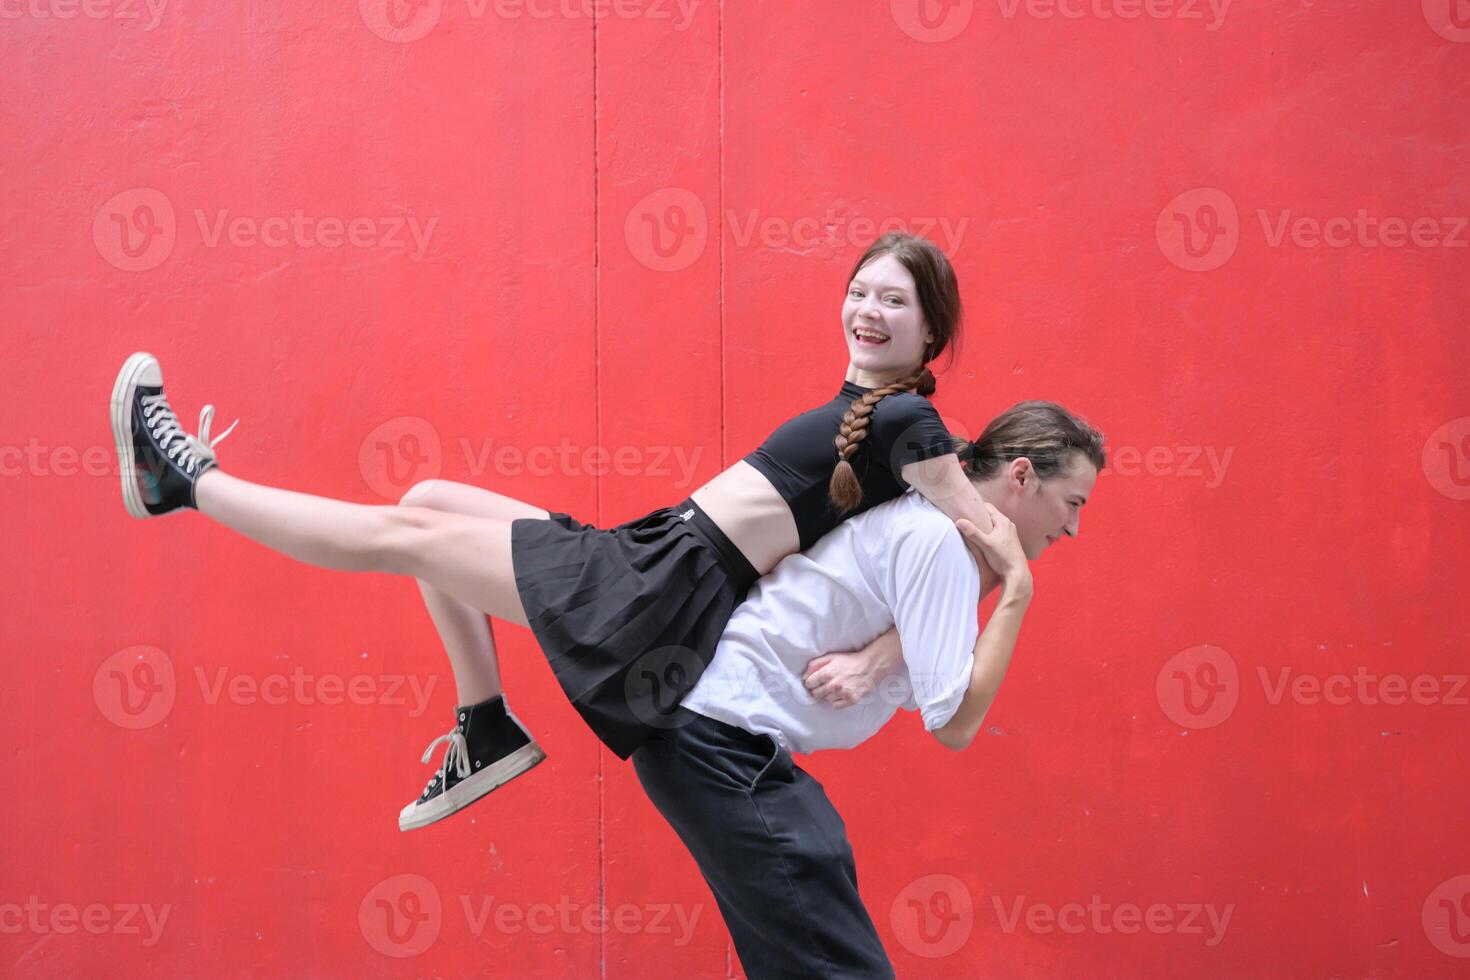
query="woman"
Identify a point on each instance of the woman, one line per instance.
(622, 613)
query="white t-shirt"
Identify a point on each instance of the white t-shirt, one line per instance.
(902, 562)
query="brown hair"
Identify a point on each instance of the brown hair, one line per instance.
(1043, 432)
(939, 299)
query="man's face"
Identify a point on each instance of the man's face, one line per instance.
(1044, 511)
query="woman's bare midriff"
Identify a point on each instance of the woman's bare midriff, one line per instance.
(744, 504)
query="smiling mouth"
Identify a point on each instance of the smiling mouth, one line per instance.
(871, 338)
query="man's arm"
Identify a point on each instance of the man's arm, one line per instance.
(844, 679)
(932, 586)
(993, 651)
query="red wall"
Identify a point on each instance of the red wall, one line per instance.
(1130, 203)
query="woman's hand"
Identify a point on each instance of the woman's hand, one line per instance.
(844, 679)
(999, 547)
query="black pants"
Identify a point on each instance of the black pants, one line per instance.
(770, 845)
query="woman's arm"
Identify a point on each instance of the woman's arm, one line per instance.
(942, 480)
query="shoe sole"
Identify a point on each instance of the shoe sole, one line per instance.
(472, 787)
(122, 414)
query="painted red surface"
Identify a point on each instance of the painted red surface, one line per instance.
(635, 238)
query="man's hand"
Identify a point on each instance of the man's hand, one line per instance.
(844, 679)
(841, 679)
(1000, 547)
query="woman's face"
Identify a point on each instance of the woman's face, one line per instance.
(883, 322)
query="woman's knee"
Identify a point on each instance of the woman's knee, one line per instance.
(404, 537)
(425, 493)
(472, 501)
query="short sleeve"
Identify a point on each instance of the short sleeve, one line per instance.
(933, 588)
(907, 428)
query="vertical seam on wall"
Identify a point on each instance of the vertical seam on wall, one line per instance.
(720, 298)
(597, 482)
(719, 220)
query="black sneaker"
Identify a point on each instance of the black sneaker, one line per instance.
(488, 747)
(159, 461)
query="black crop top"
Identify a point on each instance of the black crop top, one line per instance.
(798, 458)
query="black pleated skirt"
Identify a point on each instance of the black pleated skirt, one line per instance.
(628, 616)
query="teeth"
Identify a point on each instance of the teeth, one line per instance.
(868, 335)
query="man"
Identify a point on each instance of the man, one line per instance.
(769, 843)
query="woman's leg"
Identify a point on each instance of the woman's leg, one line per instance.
(463, 562)
(467, 558)
(464, 630)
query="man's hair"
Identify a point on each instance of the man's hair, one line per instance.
(1044, 432)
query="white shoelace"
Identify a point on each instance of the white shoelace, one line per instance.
(188, 451)
(457, 755)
